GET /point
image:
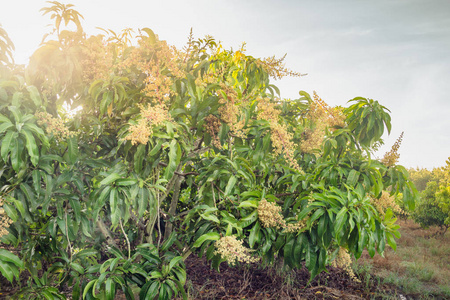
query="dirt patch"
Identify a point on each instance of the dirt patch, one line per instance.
(254, 282)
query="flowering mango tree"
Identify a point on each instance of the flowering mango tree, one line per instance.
(122, 155)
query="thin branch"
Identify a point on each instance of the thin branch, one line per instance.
(126, 237)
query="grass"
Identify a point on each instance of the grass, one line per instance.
(420, 266)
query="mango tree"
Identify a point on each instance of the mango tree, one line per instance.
(122, 155)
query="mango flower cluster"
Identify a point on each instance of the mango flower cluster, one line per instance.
(213, 127)
(54, 126)
(324, 117)
(391, 158)
(160, 62)
(5, 221)
(344, 261)
(280, 136)
(150, 116)
(269, 214)
(232, 250)
(230, 112)
(384, 202)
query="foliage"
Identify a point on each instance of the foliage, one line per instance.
(420, 177)
(433, 208)
(427, 212)
(163, 152)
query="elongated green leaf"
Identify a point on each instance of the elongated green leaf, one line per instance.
(247, 220)
(6, 270)
(72, 147)
(7, 256)
(88, 287)
(6, 143)
(32, 148)
(110, 178)
(110, 289)
(352, 178)
(288, 251)
(254, 235)
(113, 203)
(34, 95)
(76, 206)
(126, 181)
(139, 158)
(5, 126)
(341, 218)
(230, 185)
(175, 261)
(210, 236)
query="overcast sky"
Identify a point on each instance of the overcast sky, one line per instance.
(393, 51)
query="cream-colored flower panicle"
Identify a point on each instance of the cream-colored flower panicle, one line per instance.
(232, 250)
(151, 116)
(269, 214)
(139, 133)
(280, 136)
(343, 260)
(5, 221)
(54, 126)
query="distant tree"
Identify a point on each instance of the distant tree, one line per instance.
(420, 177)
(433, 206)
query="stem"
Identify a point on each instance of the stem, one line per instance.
(67, 235)
(126, 237)
(214, 194)
(159, 221)
(173, 205)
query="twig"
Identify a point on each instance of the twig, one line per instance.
(126, 237)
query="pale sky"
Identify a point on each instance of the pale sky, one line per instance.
(393, 51)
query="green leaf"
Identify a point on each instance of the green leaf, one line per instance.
(149, 290)
(88, 287)
(311, 258)
(5, 126)
(247, 220)
(288, 250)
(210, 236)
(341, 218)
(110, 178)
(230, 185)
(6, 270)
(110, 289)
(7, 256)
(174, 261)
(113, 203)
(352, 178)
(6, 143)
(34, 95)
(174, 159)
(156, 148)
(249, 203)
(77, 267)
(76, 206)
(72, 147)
(31, 147)
(126, 182)
(254, 235)
(139, 158)
(151, 35)
(169, 242)
(391, 241)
